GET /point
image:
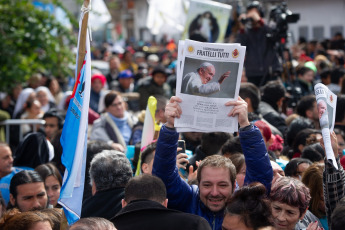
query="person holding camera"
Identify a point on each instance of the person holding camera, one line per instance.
(261, 62)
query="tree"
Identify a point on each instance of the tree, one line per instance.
(31, 40)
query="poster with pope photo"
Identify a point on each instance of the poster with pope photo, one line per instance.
(326, 106)
(206, 21)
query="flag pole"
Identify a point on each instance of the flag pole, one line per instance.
(82, 37)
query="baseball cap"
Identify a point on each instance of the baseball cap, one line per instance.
(125, 74)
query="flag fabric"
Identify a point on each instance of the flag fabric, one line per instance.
(149, 129)
(74, 137)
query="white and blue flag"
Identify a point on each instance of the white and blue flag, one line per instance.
(74, 137)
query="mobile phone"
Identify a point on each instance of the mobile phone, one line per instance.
(181, 144)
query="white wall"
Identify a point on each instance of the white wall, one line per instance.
(140, 16)
(313, 13)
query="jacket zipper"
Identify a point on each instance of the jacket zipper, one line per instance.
(214, 222)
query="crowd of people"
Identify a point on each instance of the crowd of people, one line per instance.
(272, 174)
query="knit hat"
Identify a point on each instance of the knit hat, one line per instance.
(98, 76)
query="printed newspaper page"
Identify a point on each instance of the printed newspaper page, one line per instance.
(326, 106)
(208, 77)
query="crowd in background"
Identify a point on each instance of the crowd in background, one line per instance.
(279, 178)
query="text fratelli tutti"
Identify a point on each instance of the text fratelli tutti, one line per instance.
(208, 53)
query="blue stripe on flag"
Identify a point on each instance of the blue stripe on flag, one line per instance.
(74, 141)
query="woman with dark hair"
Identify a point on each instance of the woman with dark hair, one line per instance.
(115, 125)
(296, 167)
(248, 209)
(303, 138)
(52, 181)
(289, 204)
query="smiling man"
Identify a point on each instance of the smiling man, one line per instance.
(199, 83)
(217, 182)
(216, 174)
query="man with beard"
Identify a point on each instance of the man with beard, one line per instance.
(27, 191)
(216, 174)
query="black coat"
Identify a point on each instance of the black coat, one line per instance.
(32, 151)
(150, 215)
(106, 203)
(272, 116)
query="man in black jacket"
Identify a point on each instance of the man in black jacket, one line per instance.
(261, 62)
(271, 105)
(110, 171)
(144, 207)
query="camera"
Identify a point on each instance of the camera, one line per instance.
(247, 22)
(295, 93)
(280, 16)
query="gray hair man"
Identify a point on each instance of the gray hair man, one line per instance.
(199, 82)
(110, 171)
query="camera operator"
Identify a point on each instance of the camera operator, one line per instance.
(261, 62)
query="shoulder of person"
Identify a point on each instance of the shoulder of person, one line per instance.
(101, 120)
(145, 81)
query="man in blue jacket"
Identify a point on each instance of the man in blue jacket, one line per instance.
(216, 174)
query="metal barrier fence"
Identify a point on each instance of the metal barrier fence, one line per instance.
(8, 123)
